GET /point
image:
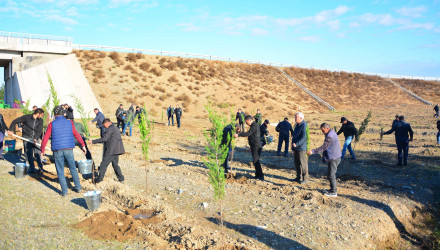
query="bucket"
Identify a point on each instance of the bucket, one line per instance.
(93, 199)
(9, 145)
(19, 170)
(84, 166)
(269, 138)
(26, 169)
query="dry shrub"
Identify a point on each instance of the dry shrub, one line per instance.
(77, 53)
(163, 97)
(131, 57)
(98, 73)
(160, 89)
(184, 98)
(116, 57)
(145, 66)
(131, 69)
(162, 60)
(190, 87)
(173, 78)
(139, 55)
(130, 92)
(102, 54)
(171, 66)
(102, 95)
(269, 108)
(181, 64)
(95, 80)
(155, 71)
(135, 78)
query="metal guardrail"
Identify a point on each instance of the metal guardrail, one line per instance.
(307, 90)
(410, 92)
(210, 57)
(26, 38)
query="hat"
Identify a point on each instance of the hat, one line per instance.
(266, 121)
(343, 119)
(58, 110)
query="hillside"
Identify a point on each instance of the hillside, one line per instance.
(428, 90)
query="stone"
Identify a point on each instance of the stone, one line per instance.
(204, 204)
(179, 191)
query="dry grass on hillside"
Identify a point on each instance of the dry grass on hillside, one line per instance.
(429, 90)
(350, 90)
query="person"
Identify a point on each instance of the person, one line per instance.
(258, 117)
(350, 134)
(79, 127)
(69, 111)
(438, 133)
(331, 154)
(138, 114)
(34, 108)
(32, 129)
(170, 114)
(113, 147)
(63, 132)
(264, 132)
(254, 139)
(99, 119)
(436, 109)
(299, 148)
(395, 120)
(240, 117)
(227, 138)
(3, 129)
(178, 112)
(129, 121)
(132, 109)
(119, 117)
(402, 130)
(283, 128)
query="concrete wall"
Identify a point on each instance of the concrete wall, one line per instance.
(68, 79)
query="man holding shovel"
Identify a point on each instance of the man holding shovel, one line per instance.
(63, 133)
(32, 130)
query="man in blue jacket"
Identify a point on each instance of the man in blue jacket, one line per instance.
(63, 133)
(402, 129)
(299, 147)
(284, 128)
(331, 154)
(99, 119)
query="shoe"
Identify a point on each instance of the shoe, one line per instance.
(121, 181)
(326, 191)
(63, 195)
(78, 190)
(304, 182)
(331, 194)
(296, 180)
(399, 165)
(261, 178)
(2, 158)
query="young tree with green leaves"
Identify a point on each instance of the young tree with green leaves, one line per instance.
(85, 116)
(145, 127)
(363, 126)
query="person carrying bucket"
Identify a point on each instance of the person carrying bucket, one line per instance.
(63, 133)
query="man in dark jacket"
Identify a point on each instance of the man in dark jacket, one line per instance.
(63, 134)
(113, 147)
(120, 117)
(99, 119)
(350, 133)
(170, 114)
(299, 147)
(69, 111)
(32, 130)
(402, 129)
(438, 133)
(254, 139)
(331, 154)
(259, 117)
(436, 109)
(264, 132)
(178, 112)
(240, 117)
(284, 128)
(227, 138)
(3, 129)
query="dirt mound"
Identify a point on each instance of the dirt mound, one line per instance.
(233, 178)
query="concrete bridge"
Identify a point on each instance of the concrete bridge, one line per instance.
(27, 60)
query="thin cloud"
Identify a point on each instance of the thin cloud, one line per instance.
(64, 20)
(309, 39)
(415, 12)
(389, 20)
(259, 32)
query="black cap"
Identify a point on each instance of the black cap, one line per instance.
(58, 110)
(266, 121)
(343, 119)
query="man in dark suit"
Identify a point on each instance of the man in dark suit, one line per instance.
(284, 128)
(113, 147)
(404, 134)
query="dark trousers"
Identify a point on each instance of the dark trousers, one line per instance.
(102, 129)
(402, 148)
(263, 141)
(121, 123)
(114, 159)
(242, 126)
(301, 165)
(172, 120)
(32, 150)
(226, 163)
(283, 138)
(331, 174)
(88, 154)
(178, 121)
(2, 137)
(256, 152)
(436, 114)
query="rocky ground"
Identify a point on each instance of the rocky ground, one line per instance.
(379, 205)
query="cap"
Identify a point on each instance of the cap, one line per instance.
(266, 121)
(343, 119)
(58, 110)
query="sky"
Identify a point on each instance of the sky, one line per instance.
(395, 37)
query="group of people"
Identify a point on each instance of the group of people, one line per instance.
(126, 118)
(171, 112)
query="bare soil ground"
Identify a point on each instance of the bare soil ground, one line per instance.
(379, 205)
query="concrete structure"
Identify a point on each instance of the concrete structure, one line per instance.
(28, 59)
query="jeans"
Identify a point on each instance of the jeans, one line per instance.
(347, 144)
(178, 121)
(301, 165)
(172, 120)
(402, 148)
(256, 152)
(32, 150)
(121, 123)
(102, 129)
(128, 124)
(62, 156)
(114, 159)
(331, 174)
(226, 163)
(438, 137)
(2, 138)
(283, 138)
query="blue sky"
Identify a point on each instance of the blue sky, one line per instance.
(393, 37)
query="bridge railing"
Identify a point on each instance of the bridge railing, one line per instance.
(34, 39)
